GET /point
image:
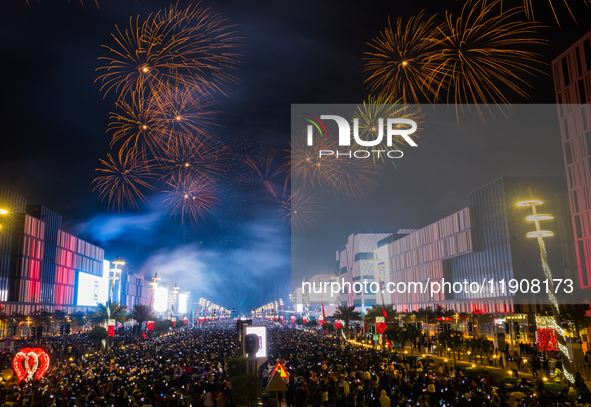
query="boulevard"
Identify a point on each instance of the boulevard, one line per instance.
(204, 366)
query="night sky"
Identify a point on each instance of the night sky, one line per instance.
(55, 121)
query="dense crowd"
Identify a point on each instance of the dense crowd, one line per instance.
(326, 371)
(189, 369)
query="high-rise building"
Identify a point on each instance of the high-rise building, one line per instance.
(572, 82)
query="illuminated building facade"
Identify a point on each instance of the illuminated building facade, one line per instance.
(572, 82)
(356, 262)
(135, 290)
(40, 264)
(483, 242)
(13, 203)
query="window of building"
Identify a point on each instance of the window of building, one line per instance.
(583, 264)
(578, 58)
(582, 95)
(575, 201)
(587, 53)
(565, 75)
(568, 153)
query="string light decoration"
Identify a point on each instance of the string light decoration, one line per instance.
(539, 234)
(547, 339)
(30, 363)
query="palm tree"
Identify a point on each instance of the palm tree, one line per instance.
(58, 317)
(40, 318)
(409, 333)
(110, 310)
(347, 314)
(376, 311)
(77, 319)
(141, 313)
(97, 335)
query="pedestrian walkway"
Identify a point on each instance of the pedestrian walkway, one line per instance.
(492, 369)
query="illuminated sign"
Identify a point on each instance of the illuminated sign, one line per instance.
(261, 332)
(183, 303)
(160, 299)
(30, 364)
(92, 290)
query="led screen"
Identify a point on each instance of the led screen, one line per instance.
(183, 303)
(261, 331)
(93, 290)
(160, 299)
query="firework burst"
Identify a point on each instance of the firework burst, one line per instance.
(346, 178)
(123, 179)
(190, 157)
(381, 106)
(267, 170)
(528, 5)
(136, 125)
(480, 54)
(397, 61)
(183, 110)
(190, 197)
(189, 46)
(305, 164)
(354, 179)
(301, 210)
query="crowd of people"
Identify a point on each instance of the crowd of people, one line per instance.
(189, 368)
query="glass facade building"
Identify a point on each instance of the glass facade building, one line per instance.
(39, 262)
(487, 241)
(572, 82)
(356, 262)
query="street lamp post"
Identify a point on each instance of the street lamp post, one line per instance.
(115, 271)
(154, 285)
(540, 234)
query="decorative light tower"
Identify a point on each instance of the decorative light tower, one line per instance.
(540, 235)
(154, 285)
(115, 272)
(175, 291)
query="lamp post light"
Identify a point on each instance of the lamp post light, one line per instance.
(540, 235)
(154, 285)
(115, 271)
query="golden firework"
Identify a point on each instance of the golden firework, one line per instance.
(345, 177)
(301, 210)
(183, 109)
(307, 166)
(136, 125)
(189, 46)
(267, 169)
(382, 107)
(480, 54)
(190, 197)
(191, 157)
(528, 5)
(123, 179)
(397, 61)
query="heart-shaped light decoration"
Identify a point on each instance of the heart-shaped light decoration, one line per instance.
(30, 363)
